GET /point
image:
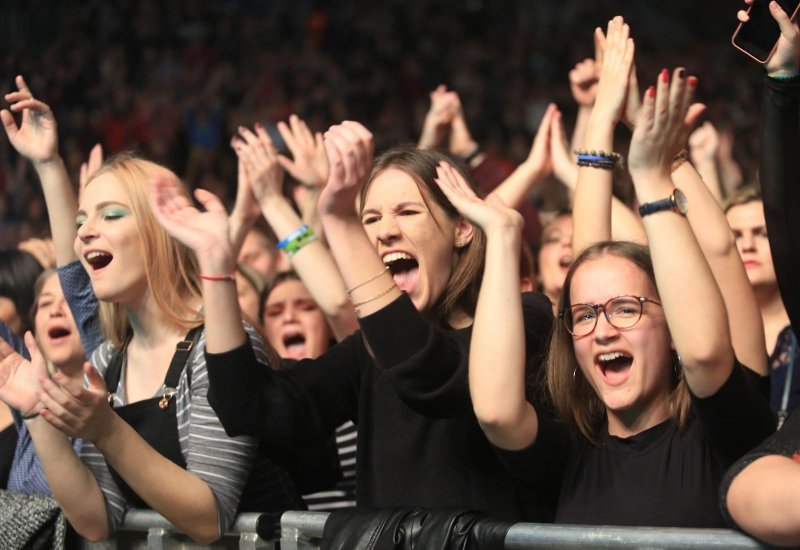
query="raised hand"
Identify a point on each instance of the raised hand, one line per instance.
(704, 144)
(350, 149)
(785, 61)
(204, 232)
(490, 215)
(74, 410)
(613, 86)
(41, 249)
(583, 79)
(461, 142)
(443, 109)
(309, 162)
(19, 378)
(260, 159)
(92, 165)
(564, 166)
(36, 138)
(665, 122)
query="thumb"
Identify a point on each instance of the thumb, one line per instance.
(209, 201)
(8, 123)
(30, 343)
(96, 382)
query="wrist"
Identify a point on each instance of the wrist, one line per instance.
(465, 148)
(43, 165)
(652, 186)
(216, 261)
(103, 436)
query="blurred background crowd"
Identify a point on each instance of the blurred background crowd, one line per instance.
(174, 79)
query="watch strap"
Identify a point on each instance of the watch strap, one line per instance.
(656, 206)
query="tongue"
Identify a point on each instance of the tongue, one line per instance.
(296, 350)
(407, 280)
(617, 371)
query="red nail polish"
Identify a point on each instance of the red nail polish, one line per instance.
(651, 91)
(692, 80)
(664, 76)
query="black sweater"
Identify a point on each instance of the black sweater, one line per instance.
(419, 443)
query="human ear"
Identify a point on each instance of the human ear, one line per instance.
(464, 231)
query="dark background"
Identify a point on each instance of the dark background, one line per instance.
(174, 79)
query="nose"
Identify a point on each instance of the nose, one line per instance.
(604, 331)
(288, 314)
(746, 242)
(86, 230)
(59, 308)
(388, 229)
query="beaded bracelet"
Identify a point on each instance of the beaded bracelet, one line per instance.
(598, 159)
(300, 237)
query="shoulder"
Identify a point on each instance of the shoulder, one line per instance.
(102, 355)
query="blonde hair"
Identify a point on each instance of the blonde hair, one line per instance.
(743, 195)
(461, 293)
(574, 399)
(170, 267)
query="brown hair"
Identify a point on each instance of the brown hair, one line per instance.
(743, 195)
(170, 267)
(461, 294)
(574, 399)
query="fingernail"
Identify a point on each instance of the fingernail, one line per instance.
(679, 73)
(664, 76)
(651, 91)
(692, 80)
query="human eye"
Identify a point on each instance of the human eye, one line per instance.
(369, 219)
(308, 306)
(80, 219)
(583, 314)
(624, 308)
(112, 213)
(273, 311)
(551, 238)
(408, 212)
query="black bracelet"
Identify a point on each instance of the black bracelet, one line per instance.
(29, 417)
(469, 158)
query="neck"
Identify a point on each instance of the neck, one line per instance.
(630, 422)
(770, 303)
(150, 327)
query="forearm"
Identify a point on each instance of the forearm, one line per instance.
(74, 487)
(515, 188)
(708, 171)
(358, 263)
(62, 206)
(221, 313)
(764, 500)
(316, 268)
(692, 301)
(581, 125)
(592, 202)
(497, 358)
(178, 495)
(716, 241)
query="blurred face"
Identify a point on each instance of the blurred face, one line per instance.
(294, 324)
(248, 297)
(8, 314)
(258, 253)
(555, 256)
(416, 242)
(629, 369)
(109, 244)
(750, 230)
(55, 328)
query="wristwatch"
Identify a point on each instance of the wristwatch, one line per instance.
(676, 201)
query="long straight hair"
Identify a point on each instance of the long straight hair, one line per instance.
(574, 399)
(170, 267)
(461, 293)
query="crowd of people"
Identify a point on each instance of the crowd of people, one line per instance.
(366, 323)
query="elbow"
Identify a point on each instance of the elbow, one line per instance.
(92, 531)
(204, 536)
(509, 429)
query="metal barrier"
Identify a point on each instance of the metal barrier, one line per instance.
(303, 531)
(145, 529)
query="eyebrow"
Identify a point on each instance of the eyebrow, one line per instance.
(398, 206)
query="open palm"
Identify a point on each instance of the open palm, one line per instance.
(36, 138)
(19, 378)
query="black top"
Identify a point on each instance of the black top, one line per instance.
(662, 477)
(8, 442)
(419, 443)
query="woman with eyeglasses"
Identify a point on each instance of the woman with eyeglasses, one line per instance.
(646, 437)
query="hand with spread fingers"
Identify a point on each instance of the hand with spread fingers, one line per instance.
(666, 119)
(92, 165)
(490, 215)
(350, 149)
(19, 378)
(42, 249)
(785, 60)
(36, 138)
(309, 162)
(75, 410)
(260, 159)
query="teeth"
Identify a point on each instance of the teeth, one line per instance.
(606, 357)
(394, 256)
(95, 254)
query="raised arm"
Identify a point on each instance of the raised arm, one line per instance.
(592, 202)
(440, 115)
(496, 359)
(702, 340)
(36, 138)
(309, 257)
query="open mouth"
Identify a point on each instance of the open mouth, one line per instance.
(404, 269)
(57, 333)
(98, 259)
(295, 345)
(565, 261)
(614, 366)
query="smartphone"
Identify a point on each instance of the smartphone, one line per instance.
(759, 36)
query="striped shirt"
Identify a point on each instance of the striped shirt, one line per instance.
(343, 495)
(222, 462)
